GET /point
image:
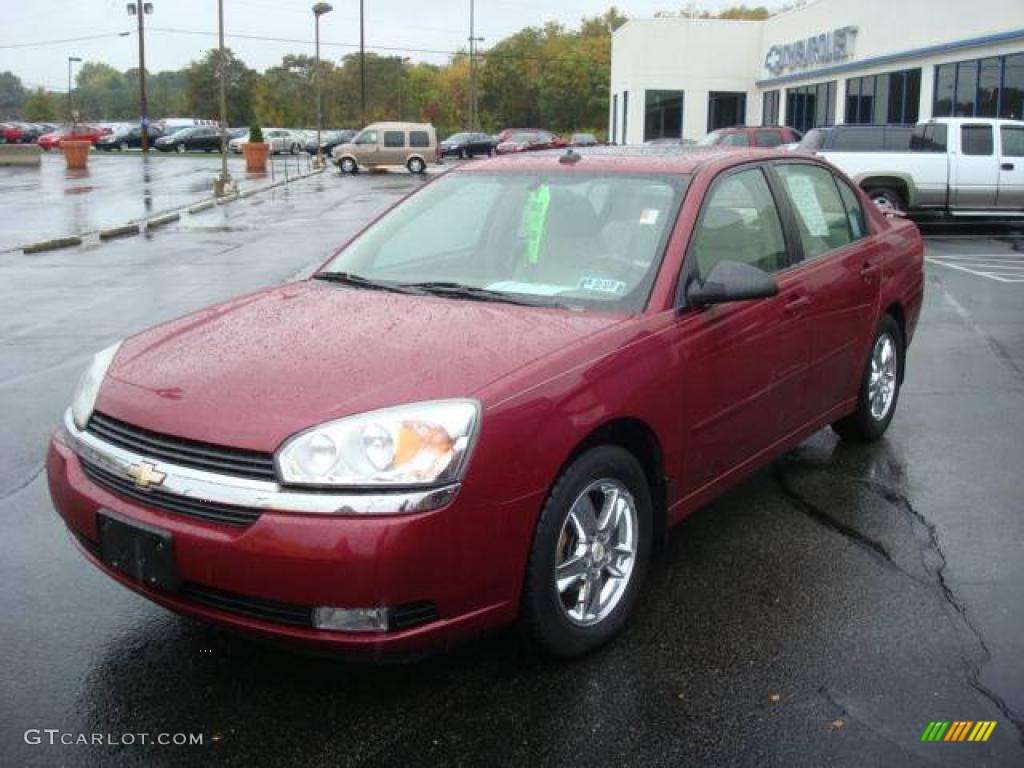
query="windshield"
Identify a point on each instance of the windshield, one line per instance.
(715, 137)
(522, 138)
(458, 137)
(588, 241)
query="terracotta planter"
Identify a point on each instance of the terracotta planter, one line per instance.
(76, 153)
(255, 157)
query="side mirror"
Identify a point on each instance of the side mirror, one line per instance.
(731, 281)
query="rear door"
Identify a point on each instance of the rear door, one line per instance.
(839, 274)
(1011, 167)
(394, 147)
(975, 174)
(745, 360)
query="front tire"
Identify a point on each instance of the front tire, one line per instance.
(348, 165)
(589, 554)
(887, 198)
(181, 149)
(879, 387)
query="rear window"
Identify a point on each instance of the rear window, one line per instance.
(419, 139)
(394, 138)
(768, 138)
(736, 140)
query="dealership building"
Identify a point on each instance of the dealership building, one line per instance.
(824, 63)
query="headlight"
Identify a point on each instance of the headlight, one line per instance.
(421, 444)
(89, 385)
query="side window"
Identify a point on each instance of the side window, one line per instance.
(736, 140)
(929, 138)
(768, 138)
(854, 211)
(419, 139)
(366, 137)
(739, 222)
(1013, 140)
(976, 139)
(820, 214)
(858, 140)
(394, 139)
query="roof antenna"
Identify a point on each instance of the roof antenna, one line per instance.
(570, 157)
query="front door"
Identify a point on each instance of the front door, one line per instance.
(743, 362)
(975, 172)
(839, 274)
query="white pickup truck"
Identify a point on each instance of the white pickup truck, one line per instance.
(961, 166)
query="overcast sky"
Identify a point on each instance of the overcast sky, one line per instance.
(412, 24)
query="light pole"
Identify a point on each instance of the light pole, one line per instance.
(71, 100)
(319, 10)
(222, 185)
(362, 69)
(473, 40)
(141, 10)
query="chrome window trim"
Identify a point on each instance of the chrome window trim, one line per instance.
(254, 494)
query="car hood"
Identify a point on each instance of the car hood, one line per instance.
(252, 371)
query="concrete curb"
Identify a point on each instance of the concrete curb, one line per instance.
(203, 206)
(159, 221)
(52, 245)
(124, 231)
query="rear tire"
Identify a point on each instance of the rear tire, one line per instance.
(887, 198)
(415, 165)
(587, 566)
(879, 386)
(181, 149)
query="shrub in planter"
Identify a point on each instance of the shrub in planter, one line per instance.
(255, 150)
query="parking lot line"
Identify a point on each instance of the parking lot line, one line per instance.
(1002, 271)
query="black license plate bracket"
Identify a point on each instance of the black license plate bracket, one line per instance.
(141, 552)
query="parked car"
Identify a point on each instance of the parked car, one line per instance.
(525, 142)
(665, 141)
(508, 133)
(412, 145)
(857, 138)
(77, 132)
(528, 403)
(583, 140)
(203, 138)
(129, 138)
(757, 136)
(329, 140)
(13, 132)
(961, 166)
(10, 133)
(281, 140)
(468, 145)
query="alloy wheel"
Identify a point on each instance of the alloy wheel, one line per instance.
(596, 551)
(882, 379)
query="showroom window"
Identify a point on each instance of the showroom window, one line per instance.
(615, 119)
(726, 109)
(625, 117)
(770, 108)
(990, 87)
(663, 115)
(888, 99)
(811, 106)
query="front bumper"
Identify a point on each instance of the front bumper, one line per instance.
(265, 577)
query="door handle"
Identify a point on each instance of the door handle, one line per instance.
(1007, 166)
(795, 305)
(868, 270)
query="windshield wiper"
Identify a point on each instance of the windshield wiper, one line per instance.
(460, 290)
(348, 278)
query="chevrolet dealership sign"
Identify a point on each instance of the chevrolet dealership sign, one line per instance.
(816, 51)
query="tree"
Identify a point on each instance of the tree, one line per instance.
(104, 93)
(41, 107)
(12, 94)
(202, 87)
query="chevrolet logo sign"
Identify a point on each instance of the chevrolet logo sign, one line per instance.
(145, 474)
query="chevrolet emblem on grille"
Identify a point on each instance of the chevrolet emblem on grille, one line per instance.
(145, 475)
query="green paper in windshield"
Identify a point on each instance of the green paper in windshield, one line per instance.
(535, 220)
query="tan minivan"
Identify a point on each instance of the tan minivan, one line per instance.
(380, 144)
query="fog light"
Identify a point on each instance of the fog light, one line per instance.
(351, 619)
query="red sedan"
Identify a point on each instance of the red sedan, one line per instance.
(90, 133)
(531, 140)
(440, 432)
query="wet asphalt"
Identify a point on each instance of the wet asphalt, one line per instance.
(821, 613)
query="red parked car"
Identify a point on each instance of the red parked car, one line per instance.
(82, 132)
(526, 141)
(441, 432)
(756, 136)
(11, 133)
